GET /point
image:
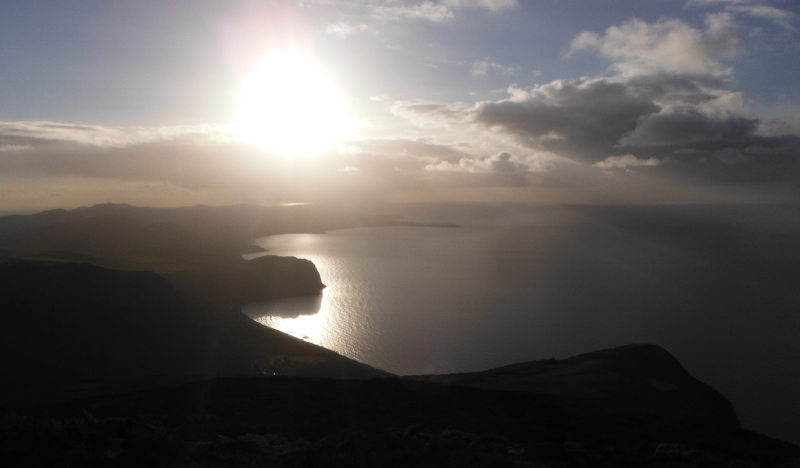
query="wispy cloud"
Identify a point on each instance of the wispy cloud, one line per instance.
(781, 17)
(625, 161)
(492, 5)
(428, 114)
(38, 133)
(483, 67)
(667, 46)
(503, 162)
(343, 30)
(427, 10)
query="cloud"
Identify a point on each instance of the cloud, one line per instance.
(15, 147)
(580, 119)
(502, 169)
(185, 168)
(664, 101)
(343, 30)
(482, 68)
(492, 5)
(686, 125)
(667, 46)
(426, 10)
(40, 133)
(503, 162)
(665, 96)
(200, 163)
(716, 2)
(411, 154)
(436, 12)
(625, 161)
(192, 156)
(592, 119)
(50, 132)
(782, 18)
(783, 119)
(428, 114)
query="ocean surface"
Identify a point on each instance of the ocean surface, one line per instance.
(717, 286)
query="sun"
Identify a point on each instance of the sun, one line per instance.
(291, 106)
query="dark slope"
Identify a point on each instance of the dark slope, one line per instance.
(69, 323)
(78, 322)
(293, 422)
(636, 380)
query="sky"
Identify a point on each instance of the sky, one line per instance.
(179, 102)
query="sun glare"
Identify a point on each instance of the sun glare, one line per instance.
(291, 106)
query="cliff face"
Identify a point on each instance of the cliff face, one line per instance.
(640, 380)
(69, 323)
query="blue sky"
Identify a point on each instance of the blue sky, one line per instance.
(529, 101)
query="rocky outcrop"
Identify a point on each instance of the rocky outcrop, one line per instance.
(639, 380)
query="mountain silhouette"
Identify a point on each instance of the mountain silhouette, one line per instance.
(640, 380)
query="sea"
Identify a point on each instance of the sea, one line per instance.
(718, 286)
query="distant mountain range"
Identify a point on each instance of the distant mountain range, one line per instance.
(167, 239)
(197, 248)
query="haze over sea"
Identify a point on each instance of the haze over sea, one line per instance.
(717, 286)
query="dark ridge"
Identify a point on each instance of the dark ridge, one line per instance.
(639, 380)
(303, 422)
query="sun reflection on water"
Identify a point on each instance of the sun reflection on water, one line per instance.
(309, 319)
(313, 327)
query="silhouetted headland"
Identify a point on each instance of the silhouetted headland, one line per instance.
(640, 380)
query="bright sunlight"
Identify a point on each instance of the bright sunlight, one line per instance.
(291, 106)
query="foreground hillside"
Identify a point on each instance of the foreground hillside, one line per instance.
(301, 422)
(639, 380)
